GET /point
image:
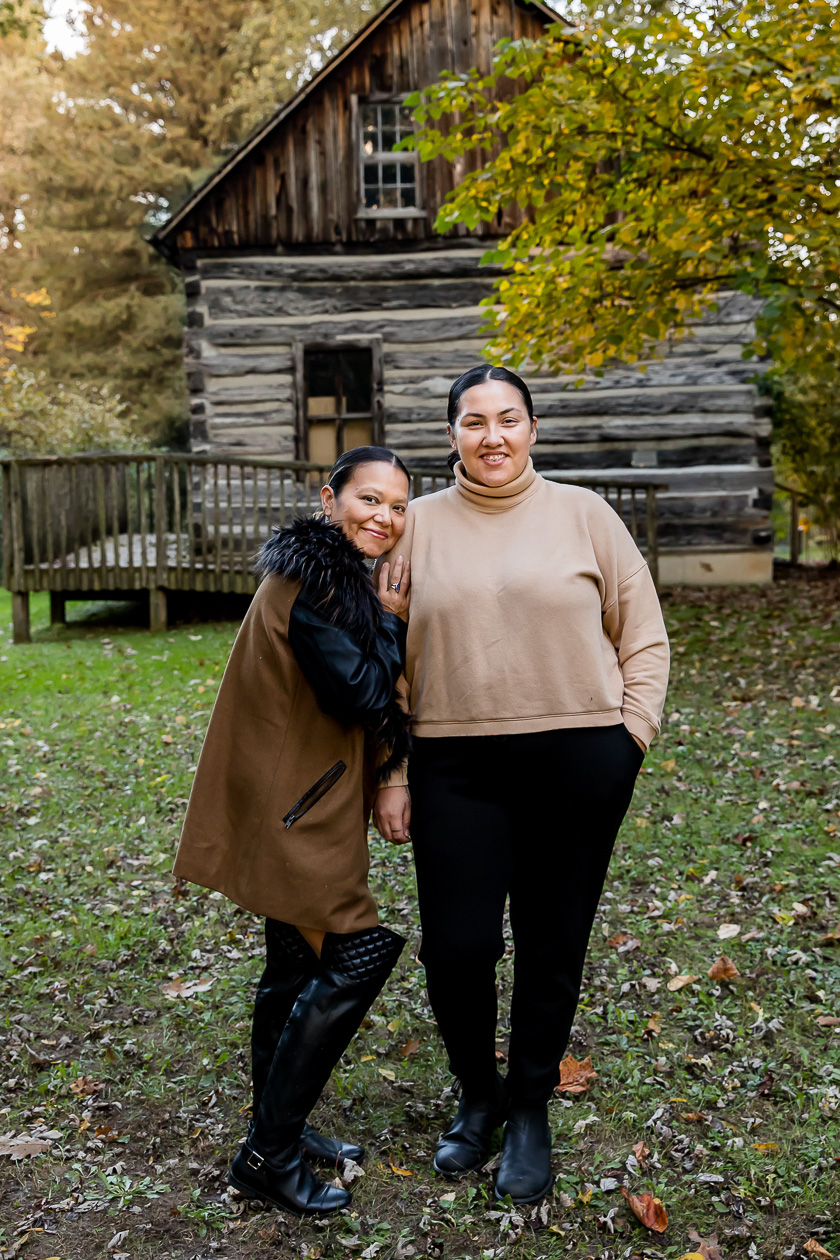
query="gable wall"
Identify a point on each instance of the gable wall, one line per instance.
(301, 185)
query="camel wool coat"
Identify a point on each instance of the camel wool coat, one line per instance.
(278, 813)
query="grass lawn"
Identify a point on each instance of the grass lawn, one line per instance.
(124, 999)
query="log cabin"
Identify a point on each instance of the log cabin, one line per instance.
(324, 311)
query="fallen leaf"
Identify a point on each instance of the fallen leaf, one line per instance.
(832, 938)
(177, 988)
(576, 1077)
(647, 1209)
(828, 1021)
(680, 982)
(387, 1073)
(623, 942)
(586, 1193)
(22, 1147)
(350, 1171)
(694, 1117)
(653, 1027)
(727, 930)
(401, 1172)
(691, 1255)
(765, 1146)
(85, 1085)
(410, 1047)
(723, 969)
(707, 1247)
(669, 766)
(651, 983)
(641, 1152)
(814, 1249)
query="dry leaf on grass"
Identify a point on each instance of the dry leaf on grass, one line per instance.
(647, 1209)
(22, 1147)
(576, 1077)
(815, 1249)
(178, 988)
(623, 942)
(708, 1248)
(723, 969)
(727, 930)
(828, 1021)
(401, 1172)
(680, 982)
(410, 1047)
(641, 1152)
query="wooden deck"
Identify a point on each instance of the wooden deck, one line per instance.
(110, 526)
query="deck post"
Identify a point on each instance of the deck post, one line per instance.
(58, 611)
(21, 629)
(652, 536)
(158, 619)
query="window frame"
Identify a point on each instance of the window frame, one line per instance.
(377, 398)
(403, 158)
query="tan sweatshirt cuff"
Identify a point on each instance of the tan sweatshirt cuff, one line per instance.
(639, 727)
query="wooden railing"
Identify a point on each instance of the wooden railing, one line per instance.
(95, 526)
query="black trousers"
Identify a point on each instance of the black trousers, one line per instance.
(534, 818)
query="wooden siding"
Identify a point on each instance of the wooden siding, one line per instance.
(300, 184)
(693, 417)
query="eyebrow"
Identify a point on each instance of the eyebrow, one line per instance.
(479, 415)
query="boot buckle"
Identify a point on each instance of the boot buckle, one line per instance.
(255, 1160)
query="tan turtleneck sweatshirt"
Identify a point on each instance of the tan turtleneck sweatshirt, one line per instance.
(532, 609)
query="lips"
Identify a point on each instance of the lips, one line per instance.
(377, 533)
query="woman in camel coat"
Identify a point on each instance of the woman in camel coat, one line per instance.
(304, 724)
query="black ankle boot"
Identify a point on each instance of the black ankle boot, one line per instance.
(290, 964)
(525, 1170)
(352, 971)
(464, 1146)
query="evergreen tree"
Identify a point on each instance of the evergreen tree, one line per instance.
(161, 92)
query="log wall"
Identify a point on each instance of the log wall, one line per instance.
(693, 416)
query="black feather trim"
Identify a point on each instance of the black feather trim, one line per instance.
(335, 579)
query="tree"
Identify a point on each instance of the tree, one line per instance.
(161, 92)
(663, 152)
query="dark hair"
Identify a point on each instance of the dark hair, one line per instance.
(346, 464)
(477, 376)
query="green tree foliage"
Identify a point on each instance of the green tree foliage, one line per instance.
(125, 130)
(38, 417)
(806, 422)
(663, 151)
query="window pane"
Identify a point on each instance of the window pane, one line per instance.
(389, 173)
(408, 196)
(372, 198)
(371, 175)
(404, 122)
(356, 380)
(389, 139)
(369, 117)
(357, 433)
(323, 447)
(319, 374)
(389, 199)
(388, 114)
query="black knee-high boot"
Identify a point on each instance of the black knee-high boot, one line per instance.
(290, 965)
(269, 1165)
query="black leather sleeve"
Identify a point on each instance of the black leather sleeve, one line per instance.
(349, 684)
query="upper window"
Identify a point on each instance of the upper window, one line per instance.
(389, 180)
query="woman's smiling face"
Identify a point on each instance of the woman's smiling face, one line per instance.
(371, 507)
(493, 433)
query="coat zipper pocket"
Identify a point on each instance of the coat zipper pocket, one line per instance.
(314, 794)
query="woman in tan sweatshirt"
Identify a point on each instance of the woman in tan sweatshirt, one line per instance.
(536, 665)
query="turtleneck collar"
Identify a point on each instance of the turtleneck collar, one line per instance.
(498, 498)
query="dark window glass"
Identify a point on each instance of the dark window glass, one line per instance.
(408, 196)
(338, 385)
(389, 173)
